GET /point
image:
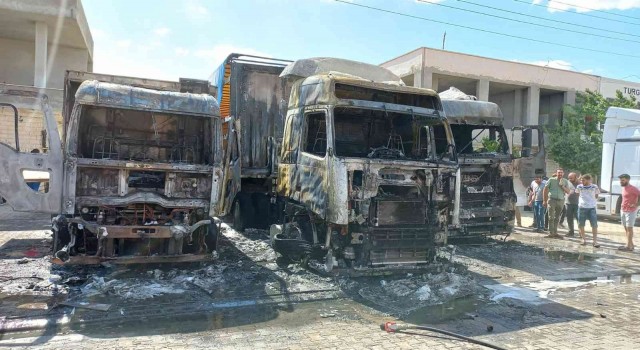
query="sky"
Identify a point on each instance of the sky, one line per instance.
(168, 39)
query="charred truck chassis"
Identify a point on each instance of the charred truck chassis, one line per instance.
(252, 102)
(487, 197)
(142, 176)
(139, 177)
(363, 175)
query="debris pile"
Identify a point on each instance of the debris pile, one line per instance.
(161, 282)
(403, 295)
(136, 289)
(253, 243)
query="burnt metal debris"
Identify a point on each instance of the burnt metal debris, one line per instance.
(487, 195)
(361, 172)
(341, 161)
(137, 178)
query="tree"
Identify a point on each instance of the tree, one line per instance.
(576, 142)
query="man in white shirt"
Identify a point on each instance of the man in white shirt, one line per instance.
(587, 208)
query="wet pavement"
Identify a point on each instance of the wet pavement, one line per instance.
(530, 292)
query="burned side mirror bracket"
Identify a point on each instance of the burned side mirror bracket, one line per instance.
(330, 151)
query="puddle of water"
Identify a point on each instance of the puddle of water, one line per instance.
(510, 291)
(616, 279)
(33, 306)
(536, 293)
(454, 309)
(24, 301)
(560, 255)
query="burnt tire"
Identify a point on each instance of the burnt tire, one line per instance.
(292, 248)
(243, 212)
(262, 214)
(211, 238)
(238, 222)
(296, 249)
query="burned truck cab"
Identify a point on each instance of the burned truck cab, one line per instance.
(488, 199)
(142, 176)
(367, 168)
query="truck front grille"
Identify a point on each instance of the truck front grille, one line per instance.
(399, 212)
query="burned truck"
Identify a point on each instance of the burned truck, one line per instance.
(139, 175)
(366, 173)
(487, 197)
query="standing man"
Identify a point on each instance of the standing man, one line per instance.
(587, 208)
(571, 203)
(535, 201)
(554, 193)
(629, 209)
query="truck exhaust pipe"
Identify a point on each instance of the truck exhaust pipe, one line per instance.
(63, 254)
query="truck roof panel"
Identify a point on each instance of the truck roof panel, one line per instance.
(93, 92)
(305, 68)
(472, 112)
(618, 115)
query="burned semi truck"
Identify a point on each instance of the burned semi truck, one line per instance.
(138, 177)
(364, 171)
(487, 196)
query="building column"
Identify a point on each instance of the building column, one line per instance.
(533, 106)
(417, 79)
(424, 78)
(434, 83)
(570, 97)
(40, 69)
(482, 90)
(517, 108)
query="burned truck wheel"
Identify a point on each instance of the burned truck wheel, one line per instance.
(242, 212)
(262, 215)
(292, 248)
(211, 239)
(290, 244)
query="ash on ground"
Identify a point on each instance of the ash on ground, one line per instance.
(400, 295)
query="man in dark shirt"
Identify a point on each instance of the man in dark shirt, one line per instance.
(554, 192)
(571, 203)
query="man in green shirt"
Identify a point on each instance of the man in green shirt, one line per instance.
(554, 193)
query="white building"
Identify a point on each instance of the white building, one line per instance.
(527, 94)
(39, 41)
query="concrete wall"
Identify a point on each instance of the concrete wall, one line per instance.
(406, 64)
(31, 121)
(426, 65)
(66, 58)
(507, 71)
(16, 59)
(608, 88)
(506, 101)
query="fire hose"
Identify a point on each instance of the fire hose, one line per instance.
(392, 327)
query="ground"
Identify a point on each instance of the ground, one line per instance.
(526, 293)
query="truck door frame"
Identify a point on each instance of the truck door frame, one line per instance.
(232, 164)
(533, 163)
(13, 161)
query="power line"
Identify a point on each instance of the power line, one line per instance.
(629, 76)
(548, 19)
(525, 22)
(485, 30)
(578, 13)
(596, 10)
